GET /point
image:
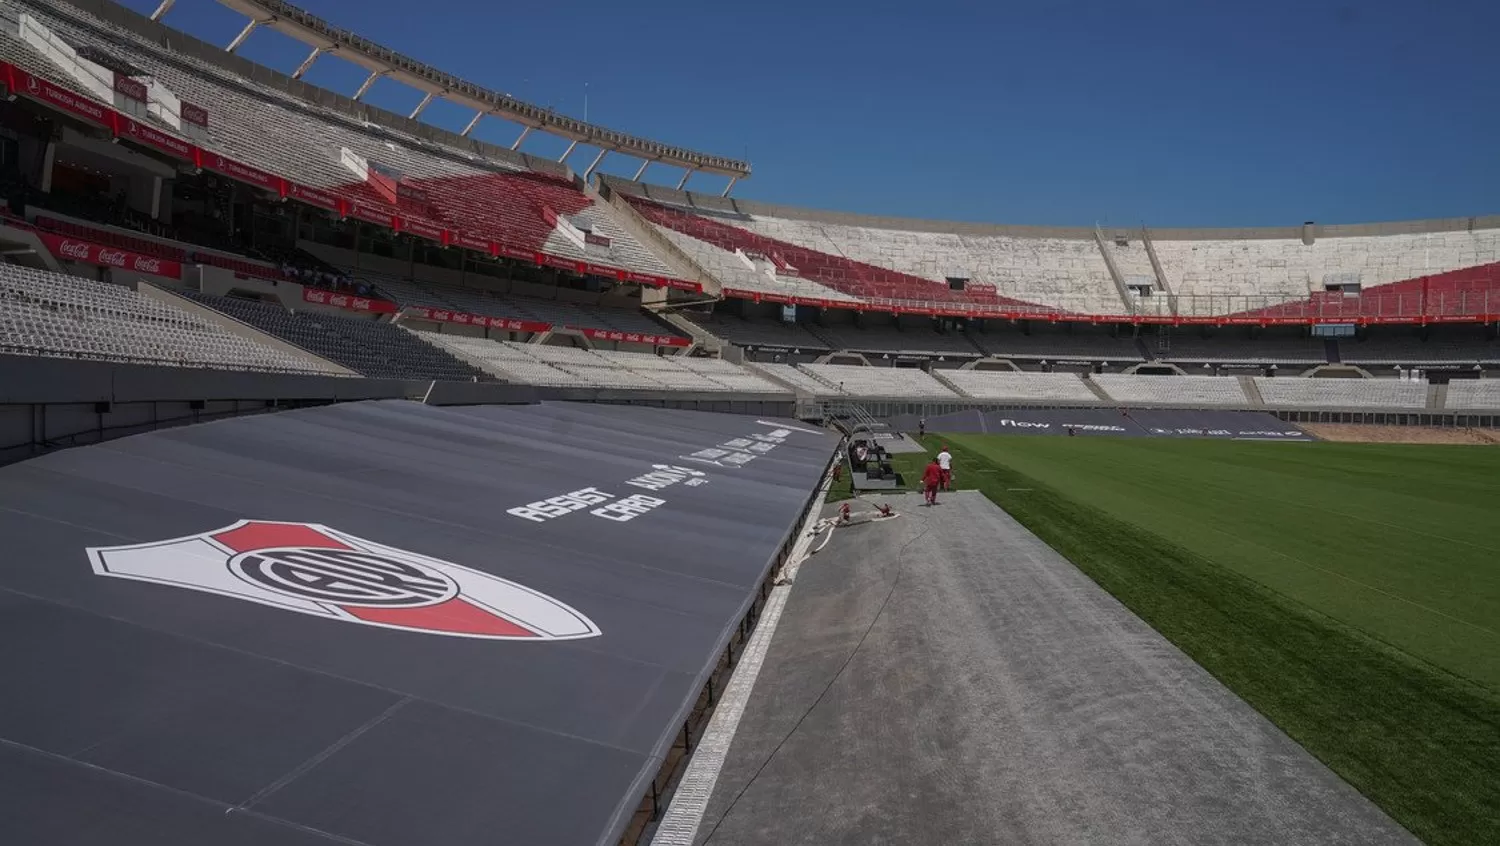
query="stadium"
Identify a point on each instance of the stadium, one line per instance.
(345, 461)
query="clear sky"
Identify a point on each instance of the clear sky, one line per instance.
(1067, 112)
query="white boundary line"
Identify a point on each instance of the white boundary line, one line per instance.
(679, 825)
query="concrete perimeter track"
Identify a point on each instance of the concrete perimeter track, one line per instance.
(984, 691)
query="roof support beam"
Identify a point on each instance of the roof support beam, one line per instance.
(683, 181)
(642, 172)
(166, 6)
(597, 159)
(369, 80)
(525, 132)
(420, 106)
(250, 27)
(568, 152)
(307, 63)
(730, 186)
(473, 123)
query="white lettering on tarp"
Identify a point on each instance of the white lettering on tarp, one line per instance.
(558, 506)
(628, 508)
(737, 452)
(666, 475)
(1024, 424)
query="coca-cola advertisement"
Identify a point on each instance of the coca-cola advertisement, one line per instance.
(131, 87)
(634, 337)
(196, 115)
(331, 298)
(87, 252)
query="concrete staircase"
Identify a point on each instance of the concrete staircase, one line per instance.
(1099, 392)
(938, 375)
(1437, 397)
(1247, 384)
(642, 230)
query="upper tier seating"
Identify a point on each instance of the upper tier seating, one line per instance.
(541, 364)
(861, 381)
(737, 271)
(1474, 393)
(44, 313)
(1229, 276)
(1067, 273)
(283, 135)
(1009, 385)
(369, 347)
(1341, 393)
(830, 269)
(1186, 391)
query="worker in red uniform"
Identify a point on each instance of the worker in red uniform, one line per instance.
(932, 477)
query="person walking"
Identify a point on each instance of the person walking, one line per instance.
(945, 465)
(932, 477)
(922, 428)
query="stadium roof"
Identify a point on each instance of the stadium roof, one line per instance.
(383, 61)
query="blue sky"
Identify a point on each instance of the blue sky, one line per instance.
(1065, 112)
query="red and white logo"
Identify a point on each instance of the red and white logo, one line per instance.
(312, 569)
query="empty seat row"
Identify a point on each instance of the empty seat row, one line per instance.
(44, 313)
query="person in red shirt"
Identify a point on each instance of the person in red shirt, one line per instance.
(932, 477)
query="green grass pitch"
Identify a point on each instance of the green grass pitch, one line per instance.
(1350, 592)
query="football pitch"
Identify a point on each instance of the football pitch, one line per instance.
(1349, 592)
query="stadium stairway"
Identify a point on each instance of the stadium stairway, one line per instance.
(1247, 384)
(948, 383)
(641, 229)
(1099, 392)
(1331, 350)
(1437, 396)
(701, 336)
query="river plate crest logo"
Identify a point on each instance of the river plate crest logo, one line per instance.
(312, 569)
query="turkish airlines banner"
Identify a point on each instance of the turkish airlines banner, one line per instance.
(423, 229)
(353, 303)
(244, 173)
(40, 89)
(465, 319)
(633, 337)
(143, 134)
(472, 242)
(74, 249)
(314, 197)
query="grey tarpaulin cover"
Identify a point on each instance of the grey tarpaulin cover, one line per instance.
(364, 623)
